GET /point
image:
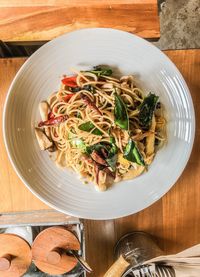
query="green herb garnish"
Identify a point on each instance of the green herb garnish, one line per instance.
(79, 143)
(99, 71)
(146, 110)
(97, 147)
(120, 113)
(112, 157)
(132, 153)
(88, 126)
(109, 148)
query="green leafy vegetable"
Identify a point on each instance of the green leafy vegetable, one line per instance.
(88, 126)
(120, 113)
(97, 147)
(107, 151)
(112, 157)
(89, 88)
(146, 110)
(133, 154)
(71, 135)
(101, 71)
(79, 143)
(76, 142)
(112, 139)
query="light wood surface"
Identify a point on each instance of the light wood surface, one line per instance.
(14, 195)
(174, 220)
(43, 20)
(15, 256)
(118, 268)
(48, 250)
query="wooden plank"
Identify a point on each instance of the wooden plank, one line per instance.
(32, 3)
(174, 220)
(36, 218)
(14, 195)
(44, 20)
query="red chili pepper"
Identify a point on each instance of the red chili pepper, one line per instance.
(53, 121)
(55, 134)
(70, 81)
(51, 115)
(67, 97)
(91, 104)
(96, 170)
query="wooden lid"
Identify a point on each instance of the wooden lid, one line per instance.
(15, 255)
(48, 250)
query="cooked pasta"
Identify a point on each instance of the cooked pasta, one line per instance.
(102, 127)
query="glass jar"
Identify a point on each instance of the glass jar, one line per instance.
(137, 247)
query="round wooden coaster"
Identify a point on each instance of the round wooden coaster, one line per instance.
(49, 250)
(15, 255)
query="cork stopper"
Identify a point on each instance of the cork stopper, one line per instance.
(49, 250)
(5, 262)
(15, 255)
(54, 256)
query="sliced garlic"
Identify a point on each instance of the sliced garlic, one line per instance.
(42, 139)
(44, 109)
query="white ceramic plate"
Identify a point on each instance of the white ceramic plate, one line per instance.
(40, 76)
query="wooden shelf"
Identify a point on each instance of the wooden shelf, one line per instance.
(42, 20)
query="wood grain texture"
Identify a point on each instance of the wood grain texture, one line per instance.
(32, 3)
(175, 219)
(45, 20)
(14, 195)
(16, 251)
(48, 250)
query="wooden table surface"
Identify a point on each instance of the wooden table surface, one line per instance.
(38, 20)
(174, 220)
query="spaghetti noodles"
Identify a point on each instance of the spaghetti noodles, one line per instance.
(102, 127)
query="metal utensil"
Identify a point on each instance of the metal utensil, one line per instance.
(81, 261)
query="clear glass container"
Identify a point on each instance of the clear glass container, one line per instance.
(137, 247)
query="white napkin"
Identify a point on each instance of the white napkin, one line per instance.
(185, 263)
(187, 271)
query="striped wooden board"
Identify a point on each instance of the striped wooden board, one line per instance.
(40, 20)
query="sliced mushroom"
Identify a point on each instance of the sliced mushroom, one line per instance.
(42, 139)
(47, 132)
(101, 187)
(132, 173)
(150, 141)
(44, 109)
(160, 123)
(118, 178)
(141, 136)
(53, 148)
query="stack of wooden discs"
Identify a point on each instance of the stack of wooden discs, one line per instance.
(15, 255)
(49, 250)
